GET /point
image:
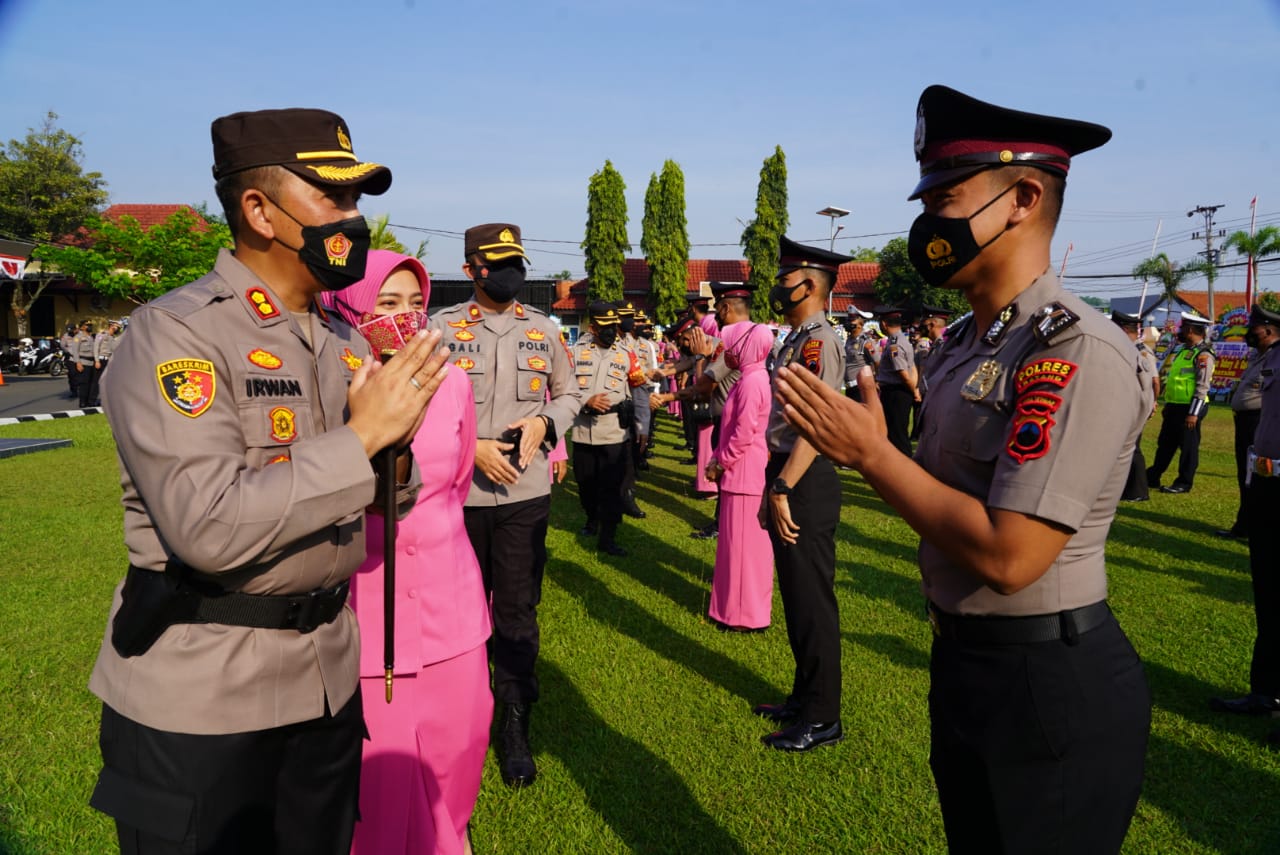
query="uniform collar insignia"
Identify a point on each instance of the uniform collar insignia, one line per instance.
(520, 311)
(261, 305)
(1000, 325)
(1050, 320)
(473, 312)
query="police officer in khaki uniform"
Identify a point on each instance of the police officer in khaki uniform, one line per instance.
(526, 398)
(896, 377)
(856, 357)
(104, 345)
(801, 508)
(606, 372)
(82, 363)
(1184, 380)
(636, 439)
(1262, 467)
(1038, 706)
(1135, 488)
(1246, 406)
(245, 419)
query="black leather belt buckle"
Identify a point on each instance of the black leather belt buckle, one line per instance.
(308, 612)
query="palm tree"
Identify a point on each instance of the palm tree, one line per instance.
(381, 237)
(1264, 242)
(1170, 274)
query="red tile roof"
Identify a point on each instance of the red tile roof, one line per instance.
(853, 282)
(147, 215)
(1199, 300)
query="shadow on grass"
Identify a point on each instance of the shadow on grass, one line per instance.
(1175, 559)
(871, 580)
(609, 609)
(638, 794)
(895, 648)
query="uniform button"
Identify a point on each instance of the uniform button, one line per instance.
(409, 550)
(413, 593)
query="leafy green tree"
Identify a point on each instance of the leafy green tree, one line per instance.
(606, 244)
(866, 254)
(1264, 242)
(760, 238)
(563, 275)
(1269, 300)
(665, 241)
(1170, 274)
(121, 259)
(1097, 302)
(900, 284)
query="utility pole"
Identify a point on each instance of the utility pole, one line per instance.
(1210, 254)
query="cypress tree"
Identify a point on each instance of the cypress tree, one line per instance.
(760, 238)
(606, 244)
(665, 241)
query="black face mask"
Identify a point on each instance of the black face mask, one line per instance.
(606, 336)
(502, 283)
(939, 246)
(1251, 338)
(335, 253)
(628, 324)
(645, 333)
(780, 297)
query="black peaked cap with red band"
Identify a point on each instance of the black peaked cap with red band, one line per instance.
(721, 290)
(793, 256)
(957, 135)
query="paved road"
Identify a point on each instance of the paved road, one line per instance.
(38, 393)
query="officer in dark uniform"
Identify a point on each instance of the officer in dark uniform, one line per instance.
(1262, 465)
(896, 377)
(1038, 706)
(933, 323)
(1184, 379)
(856, 357)
(1135, 488)
(801, 508)
(1246, 406)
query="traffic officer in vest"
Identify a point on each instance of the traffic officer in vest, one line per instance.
(636, 440)
(1038, 706)
(526, 398)
(896, 377)
(801, 508)
(1246, 406)
(606, 373)
(82, 363)
(1262, 465)
(1184, 379)
(856, 357)
(1135, 488)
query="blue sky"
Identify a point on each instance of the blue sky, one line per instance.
(502, 110)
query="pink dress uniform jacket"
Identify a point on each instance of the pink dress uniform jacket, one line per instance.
(742, 587)
(423, 761)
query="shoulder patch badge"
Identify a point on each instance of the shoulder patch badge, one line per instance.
(188, 385)
(1033, 419)
(1055, 372)
(284, 425)
(537, 363)
(1051, 320)
(811, 355)
(263, 359)
(353, 362)
(261, 302)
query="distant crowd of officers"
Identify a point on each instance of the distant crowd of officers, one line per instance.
(86, 356)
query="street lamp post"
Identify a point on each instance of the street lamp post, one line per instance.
(833, 213)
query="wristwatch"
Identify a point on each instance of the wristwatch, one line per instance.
(780, 487)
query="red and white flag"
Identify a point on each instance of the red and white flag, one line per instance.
(12, 266)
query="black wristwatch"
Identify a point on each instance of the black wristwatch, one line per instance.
(780, 487)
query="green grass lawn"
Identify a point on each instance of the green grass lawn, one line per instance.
(644, 737)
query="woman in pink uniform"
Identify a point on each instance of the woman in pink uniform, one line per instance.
(422, 764)
(742, 588)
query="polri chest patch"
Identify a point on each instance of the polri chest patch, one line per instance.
(188, 385)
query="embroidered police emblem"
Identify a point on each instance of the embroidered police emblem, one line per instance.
(337, 248)
(262, 305)
(811, 355)
(263, 359)
(981, 381)
(283, 424)
(537, 363)
(1000, 325)
(505, 236)
(534, 334)
(279, 458)
(188, 385)
(343, 139)
(465, 364)
(352, 361)
(464, 335)
(462, 324)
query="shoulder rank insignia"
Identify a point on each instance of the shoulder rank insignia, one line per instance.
(534, 334)
(1000, 325)
(263, 359)
(462, 324)
(537, 363)
(464, 335)
(188, 385)
(353, 362)
(811, 355)
(261, 302)
(981, 381)
(520, 311)
(283, 424)
(473, 312)
(465, 363)
(1051, 320)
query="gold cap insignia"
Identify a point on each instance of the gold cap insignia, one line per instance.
(343, 139)
(1006, 156)
(506, 236)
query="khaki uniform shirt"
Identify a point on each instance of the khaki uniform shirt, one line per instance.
(1032, 416)
(1266, 439)
(518, 369)
(898, 356)
(814, 345)
(234, 457)
(1248, 393)
(647, 353)
(104, 347)
(82, 348)
(601, 370)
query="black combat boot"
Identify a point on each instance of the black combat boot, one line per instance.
(515, 760)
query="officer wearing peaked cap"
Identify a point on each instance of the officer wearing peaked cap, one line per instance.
(1135, 488)
(1039, 710)
(896, 377)
(526, 398)
(857, 356)
(801, 508)
(231, 718)
(637, 436)
(1185, 377)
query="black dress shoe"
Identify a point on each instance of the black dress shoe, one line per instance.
(633, 510)
(1136, 499)
(778, 713)
(805, 735)
(1228, 533)
(515, 760)
(709, 532)
(612, 549)
(1251, 704)
(1176, 488)
(589, 530)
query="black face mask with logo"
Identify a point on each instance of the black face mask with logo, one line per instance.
(335, 253)
(939, 246)
(781, 299)
(606, 336)
(502, 282)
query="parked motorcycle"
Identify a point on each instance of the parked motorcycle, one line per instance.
(46, 359)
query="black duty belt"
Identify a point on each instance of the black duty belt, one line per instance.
(1065, 626)
(303, 612)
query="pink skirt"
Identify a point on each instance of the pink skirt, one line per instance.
(704, 457)
(421, 770)
(674, 407)
(742, 587)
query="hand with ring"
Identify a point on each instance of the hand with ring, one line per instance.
(388, 401)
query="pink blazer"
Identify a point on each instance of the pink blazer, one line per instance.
(742, 450)
(441, 610)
